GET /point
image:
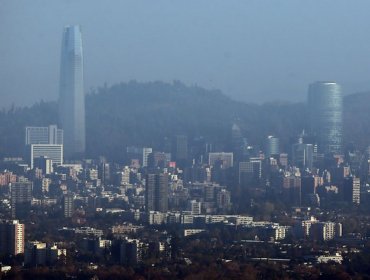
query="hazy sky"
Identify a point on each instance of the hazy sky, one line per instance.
(252, 50)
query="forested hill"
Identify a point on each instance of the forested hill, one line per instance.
(145, 113)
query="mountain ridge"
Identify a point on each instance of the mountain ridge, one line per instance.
(144, 114)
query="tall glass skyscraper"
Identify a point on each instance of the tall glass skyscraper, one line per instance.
(71, 95)
(325, 105)
(272, 146)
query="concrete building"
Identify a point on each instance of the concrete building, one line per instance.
(38, 253)
(250, 172)
(20, 199)
(45, 184)
(44, 135)
(146, 153)
(195, 207)
(225, 160)
(190, 232)
(7, 177)
(156, 191)
(351, 190)
(281, 232)
(11, 238)
(44, 163)
(223, 200)
(50, 151)
(124, 176)
(325, 231)
(68, 205)
(158, 159)
(131, 252)
(157, 218)
(337, 258)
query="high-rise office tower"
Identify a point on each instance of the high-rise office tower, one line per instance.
(180, 149)
(71, 95)
(158, 159)
(237, 142)
(146, 153)
(250, 172)
(11, 238)
(20, 199)
(44, 135)
(236, 136)
(104, 172)
(53, 152)
(156, 192)
(44, 163)
(351, 189)
(46, 142)
(325, 105)
(272, 146)
(68, 205)
(225, 160)
(302, 155)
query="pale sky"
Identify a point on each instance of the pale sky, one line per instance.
(252, 50)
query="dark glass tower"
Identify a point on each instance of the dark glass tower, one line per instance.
(71, 95)
(325, 105)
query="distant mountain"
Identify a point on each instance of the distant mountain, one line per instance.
(145, 113)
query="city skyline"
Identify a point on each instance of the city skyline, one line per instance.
(185, 176)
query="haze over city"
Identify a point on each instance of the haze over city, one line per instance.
(254, 51)
(184, 140)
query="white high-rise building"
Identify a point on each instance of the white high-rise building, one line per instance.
(195, 207)
(146, 153)
(44, 135)
(356, 190)
(53, 152)
(71, 95)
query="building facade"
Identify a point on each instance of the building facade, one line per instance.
(302, 155)
(156, 198)
(146, 153)
(225, 160)
(49, 151)
(351, 190)
(20, 199)
(11, 238)
(272, 146)
(44, 135)
(68, 205)
(38, 253)
(325, 105)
